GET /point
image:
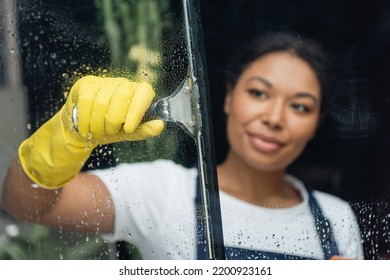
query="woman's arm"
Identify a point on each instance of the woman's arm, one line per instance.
(108, 110)
(83, 204)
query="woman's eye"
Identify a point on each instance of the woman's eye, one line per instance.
(258, 93)
(300, 107)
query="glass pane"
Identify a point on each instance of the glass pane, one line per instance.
(58, 42)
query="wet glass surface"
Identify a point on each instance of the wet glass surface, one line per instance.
(54, 43)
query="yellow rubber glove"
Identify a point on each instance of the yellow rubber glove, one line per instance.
(109, 110)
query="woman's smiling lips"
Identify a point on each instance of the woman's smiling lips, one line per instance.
(264, 143)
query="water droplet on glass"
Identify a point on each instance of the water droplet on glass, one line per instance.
(12, 230)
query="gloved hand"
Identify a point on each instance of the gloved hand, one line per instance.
(109, 110)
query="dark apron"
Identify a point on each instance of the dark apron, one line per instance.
(324, 231)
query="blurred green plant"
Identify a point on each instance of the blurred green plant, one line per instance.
(134, 31)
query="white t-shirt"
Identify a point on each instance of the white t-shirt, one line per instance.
(155, 211)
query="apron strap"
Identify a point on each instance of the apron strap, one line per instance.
(323, 227)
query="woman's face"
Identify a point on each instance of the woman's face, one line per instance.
(273, 111)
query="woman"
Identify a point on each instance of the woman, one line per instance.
(273, 107)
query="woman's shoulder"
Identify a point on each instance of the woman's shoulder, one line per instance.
(328, 202)
(336, 209)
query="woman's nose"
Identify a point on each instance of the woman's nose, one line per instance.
(273, 116)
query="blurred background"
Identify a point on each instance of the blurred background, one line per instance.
(350, 155)
(45, 45)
